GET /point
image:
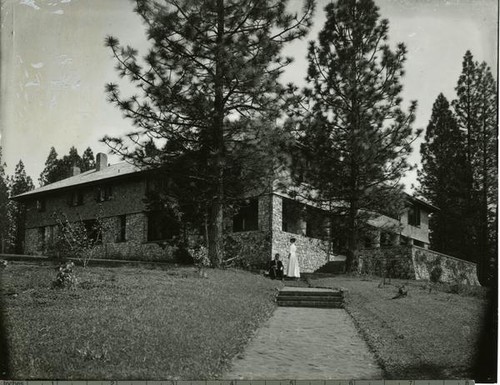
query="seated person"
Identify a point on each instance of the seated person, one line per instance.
(276, 268)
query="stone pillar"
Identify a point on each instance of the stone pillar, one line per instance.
(395, 239)
(265, 204)
(277, 213)
(376, 238)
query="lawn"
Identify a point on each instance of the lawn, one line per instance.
(425, 335)
(130, 323)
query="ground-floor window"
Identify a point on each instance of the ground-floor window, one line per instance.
(41, 238)
(418, 243)
(121, 230)
(93, 230)
(317, 223)
(162, 225)
(247, 216)
(293, 217)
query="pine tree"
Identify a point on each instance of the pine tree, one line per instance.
(88, 160)
(443, 180)
(212, 64)
(49, 173)
(4, 204)
(19, 184)
(58, 169)
(476, 110)
(355, 136)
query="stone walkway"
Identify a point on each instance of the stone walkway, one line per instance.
(306, 344)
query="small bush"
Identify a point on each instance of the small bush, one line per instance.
(183, 257)
(66, 278)
(3, 263)
(435, 274)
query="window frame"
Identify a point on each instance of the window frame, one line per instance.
(163, 218)
(121, 234)
(247, 217)
(414, 216)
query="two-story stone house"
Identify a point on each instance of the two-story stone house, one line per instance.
(262, 227)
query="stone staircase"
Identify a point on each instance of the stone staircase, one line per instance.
(310, 297)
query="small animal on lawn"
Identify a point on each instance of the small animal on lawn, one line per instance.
(402, 292)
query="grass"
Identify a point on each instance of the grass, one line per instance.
(130, 323)
(430, 334)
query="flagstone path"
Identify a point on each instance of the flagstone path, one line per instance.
(306, 344)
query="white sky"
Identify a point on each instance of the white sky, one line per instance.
(54, 66)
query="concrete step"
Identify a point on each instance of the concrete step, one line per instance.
(317, 304)
(310, 298)
(334, 294)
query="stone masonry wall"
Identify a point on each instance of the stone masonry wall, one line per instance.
(135, 247)
(453, 270)
(311, 252)
(127, 197)
(252, 249)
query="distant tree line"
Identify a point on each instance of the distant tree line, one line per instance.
(12, 213)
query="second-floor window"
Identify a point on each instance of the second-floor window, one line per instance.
(414, 216)
(76, 198)
(104, 193)
(40, 205)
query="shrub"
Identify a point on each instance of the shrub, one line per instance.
(3, 263)
(66, 277)
(435, 274)
(183, 256)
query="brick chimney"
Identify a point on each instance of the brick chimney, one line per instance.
(101, 161)
(75, 170)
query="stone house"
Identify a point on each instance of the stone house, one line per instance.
(261, 228)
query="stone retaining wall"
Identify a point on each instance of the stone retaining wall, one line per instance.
(452, 270)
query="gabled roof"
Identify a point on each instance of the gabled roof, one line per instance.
(87, 177)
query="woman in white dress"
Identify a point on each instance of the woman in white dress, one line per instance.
(293, 262)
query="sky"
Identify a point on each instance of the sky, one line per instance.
(54, 66)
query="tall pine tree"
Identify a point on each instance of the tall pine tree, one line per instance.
(19, 183)
(443, 180)
(477, 109)
(88, 160)
(51, 170)
(213, 65)
(356, 137)
(4, 204)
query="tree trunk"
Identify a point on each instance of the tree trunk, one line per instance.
(352, 240)
(215, 235)
(484, 257)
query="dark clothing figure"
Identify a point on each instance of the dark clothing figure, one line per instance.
(276, 269)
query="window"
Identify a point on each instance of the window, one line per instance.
(317, 223)
(414, 216)
(247, 217)
(121, 228)
(76, 198)
(40, 205)
(162, 226)
(292, 217)
(41, 238)
(104, 193)
(419, 243)
(386, 238)
(93, 231)
(157, 183)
